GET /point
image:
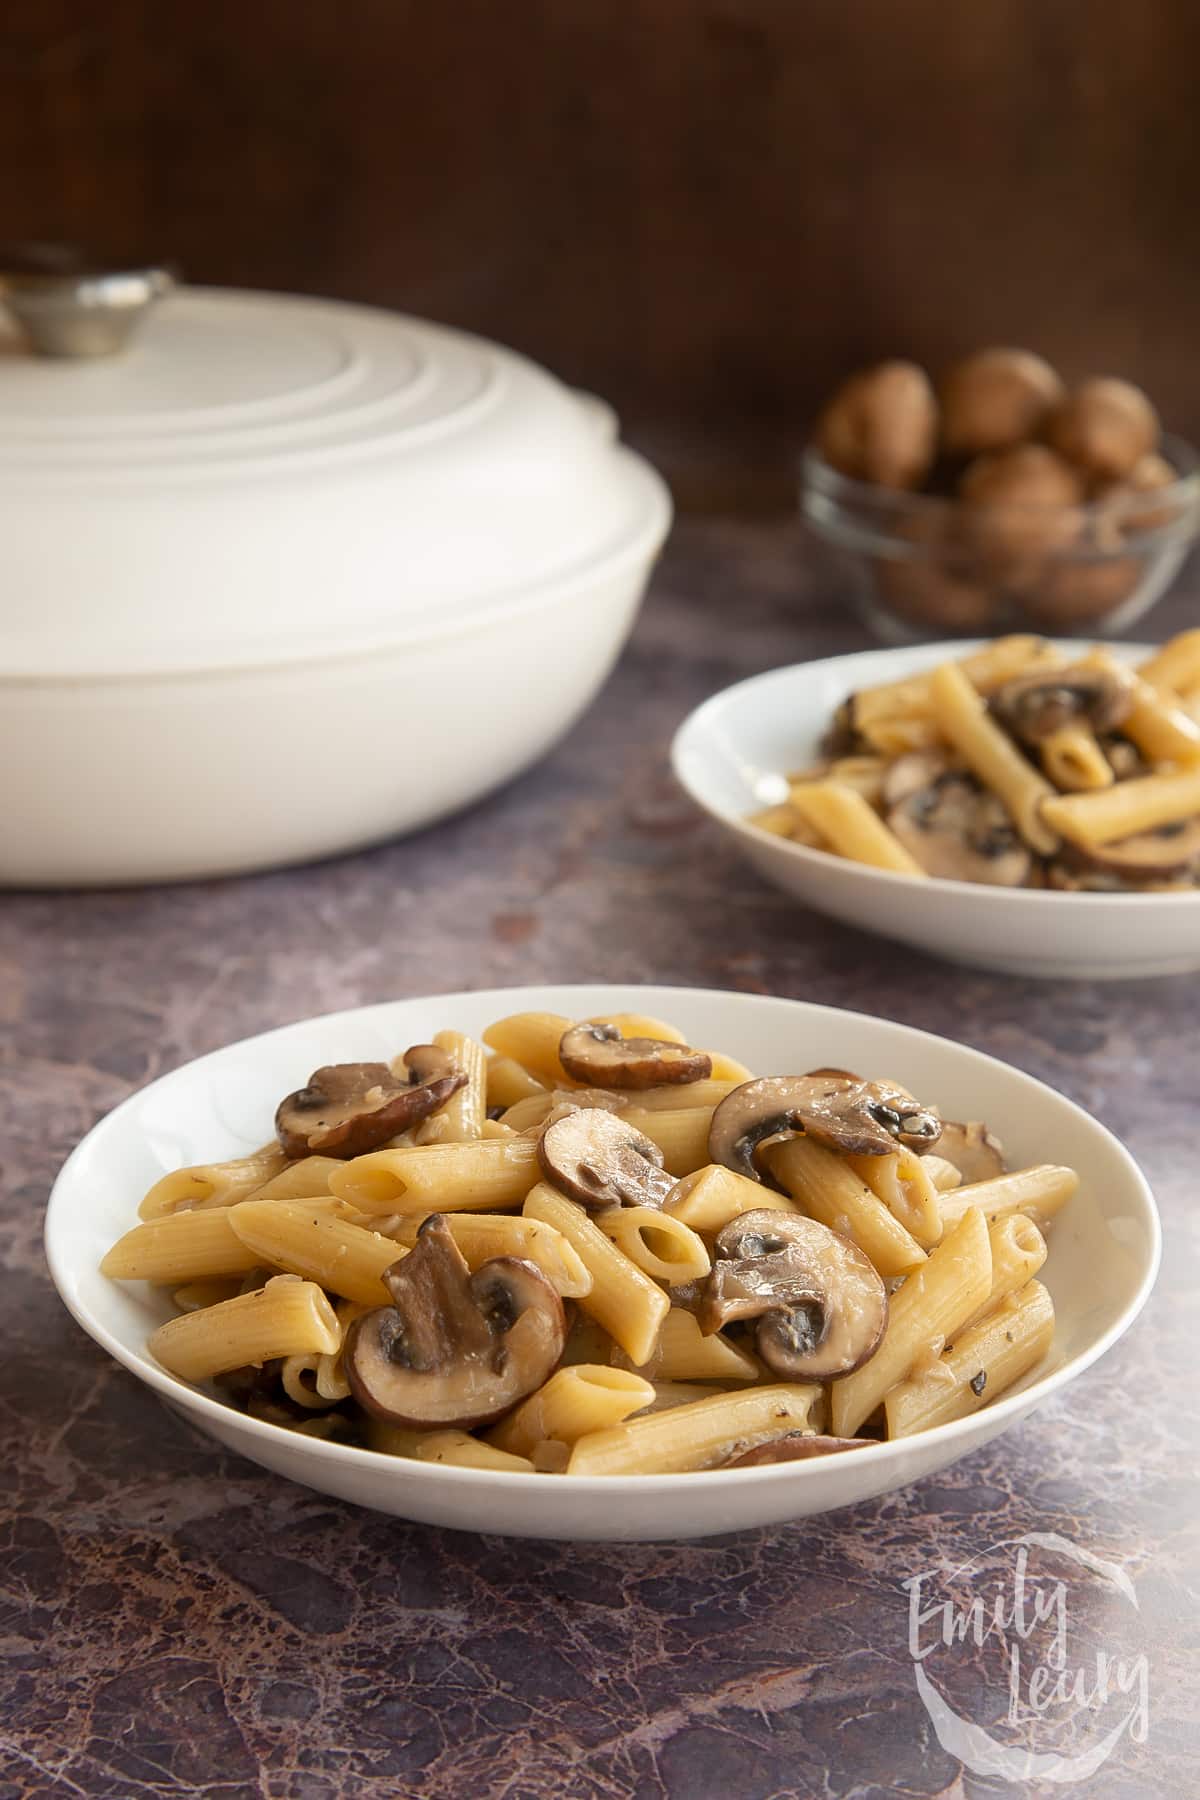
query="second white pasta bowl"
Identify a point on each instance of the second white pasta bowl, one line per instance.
(1104, 1253)
(729, 755)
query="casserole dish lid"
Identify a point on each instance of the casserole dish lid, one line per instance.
(257, 478)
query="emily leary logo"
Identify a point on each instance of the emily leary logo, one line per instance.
(1039, 1699)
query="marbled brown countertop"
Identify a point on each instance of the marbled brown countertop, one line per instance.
(176, 1621)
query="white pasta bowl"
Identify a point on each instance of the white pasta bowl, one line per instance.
(730, 752)
(1104, 1252)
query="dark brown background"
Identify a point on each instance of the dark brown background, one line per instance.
(705, 209)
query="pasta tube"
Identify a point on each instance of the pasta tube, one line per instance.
(683, 1353)
(984, 1360)
(213, 1184)
(1160, 728)
(301, 1180)
(1176, 665)
(345, 1258)
(680, 1133)
(661, 1246)
(482, 1236)
(287, 1317)
(929, 1307)
(828, 1190)
(1126, 809)
(587, 1397)
(180, 1247)
(627, 1303)
(964, 722)
(713, 1195)
(851, 827)
(481, 1177)
(508, 1082)
(532, 1039)
(1038, 1192)
(986, 668)
(1073, 759)
(906, 1188)
(694, 1436)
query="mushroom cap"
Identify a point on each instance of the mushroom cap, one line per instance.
(821, 1306)
(959, 831)
(861, 1118)
(971, 1147)
(1149, 856)
(1033, 706)
(595, 1157)
(454, 1348)
(792, 1446)
(599, 1055)
(347, 1109)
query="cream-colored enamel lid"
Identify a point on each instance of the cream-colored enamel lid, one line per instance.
(259, 478)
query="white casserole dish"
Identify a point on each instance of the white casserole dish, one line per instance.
(287, 577)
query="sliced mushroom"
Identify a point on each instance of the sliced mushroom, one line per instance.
(1033, 706)
(1169, 850)
(974, 1152)
(959, 831)
(910, 773)
(596, 1158)
(820, 1305)
(793, 1446)
(599, 1055)
(862, 1118)
(454, 1348)
(347, 1109)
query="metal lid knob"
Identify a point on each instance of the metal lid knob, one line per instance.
(69, 307)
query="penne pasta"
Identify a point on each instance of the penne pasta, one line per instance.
(459, 1450)
(983, 1363)
(300, 1180)
(1018, 1252)
(827, 1189)
(928, 1308)
(660, 1246)
(532, 1039)
(1073, 760)
(964, 722)
(180, 1247)
(1126, 809)
(460, 1119)
(482, 1177)
(681, 1134)
(1038, 1192)
(1176, 666)
(683, 1353)
(850, 825)
(213, 1184)
(347, 1259)
(681, 1096)
(1161, 729)
(711, 1196)
(575, 1401)
(906, 1188)
(508, 1082)
(207, 1292)
(624, 1301)
(287, 1317)
(481, 1236)
(694, 1436)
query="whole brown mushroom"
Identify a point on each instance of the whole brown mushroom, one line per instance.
(1104, 426)
(881, 426)
(1021, 506)
(995, 399)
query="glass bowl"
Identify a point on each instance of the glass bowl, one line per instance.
(925, 566)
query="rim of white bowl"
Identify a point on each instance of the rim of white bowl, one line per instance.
(698, 721)
(193, 1399)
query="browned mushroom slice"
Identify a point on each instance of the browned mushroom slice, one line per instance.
(600, 1056)
(454, 1349)
(958, 831)
(820, 1305)
(1034, 706)
(347, 1109)
(793, 1446)
(1169, 850)
(861, 1118)
(971, 1148)
(599, 1160)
